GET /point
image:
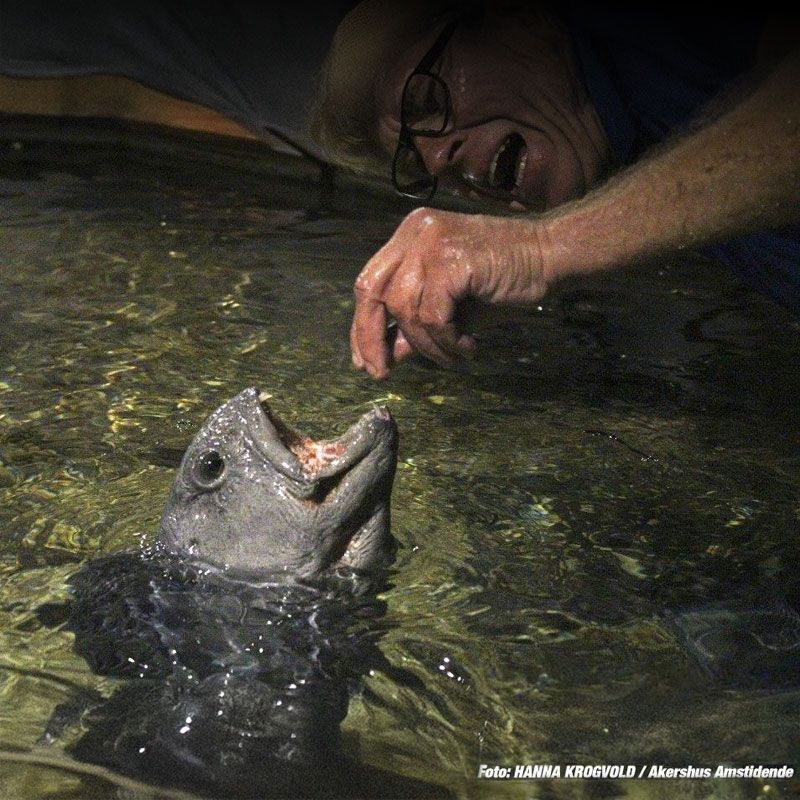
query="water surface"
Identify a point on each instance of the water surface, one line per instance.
(624, 453)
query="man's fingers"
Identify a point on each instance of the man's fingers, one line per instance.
(417, 278)
(376, 343)
(430, 344)
(355, 350)
(368, 337)
(402, 349)
(448, 338)
(467, 345)
(455, 346)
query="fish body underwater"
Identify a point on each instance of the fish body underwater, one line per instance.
(241, 634)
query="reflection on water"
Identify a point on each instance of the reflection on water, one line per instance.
(623, 457)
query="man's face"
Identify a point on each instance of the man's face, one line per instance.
(523, 128)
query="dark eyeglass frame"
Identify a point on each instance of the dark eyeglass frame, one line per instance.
(407, 133)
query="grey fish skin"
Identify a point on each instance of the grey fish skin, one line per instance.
(239, 637)
(257, 498)
(226, 688)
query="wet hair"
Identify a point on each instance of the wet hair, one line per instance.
(343, 116)
(345, 132)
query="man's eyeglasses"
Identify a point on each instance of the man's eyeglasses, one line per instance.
(425, 110)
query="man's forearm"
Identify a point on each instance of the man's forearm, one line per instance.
(738, 173)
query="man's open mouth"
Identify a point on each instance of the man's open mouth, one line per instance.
(508, 165)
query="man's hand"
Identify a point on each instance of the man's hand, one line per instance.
(434, 260)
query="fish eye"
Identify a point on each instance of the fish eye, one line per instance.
(208, 469)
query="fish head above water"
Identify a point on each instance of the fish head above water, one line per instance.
(258, 498)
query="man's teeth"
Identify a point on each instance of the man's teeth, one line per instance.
(507, 167)
(493, 165)
(520, 169)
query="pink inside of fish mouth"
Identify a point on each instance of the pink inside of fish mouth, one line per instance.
(312, 456)
(315, 456)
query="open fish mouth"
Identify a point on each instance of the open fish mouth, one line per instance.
(507, 167)
(258, 497)
(317, 468)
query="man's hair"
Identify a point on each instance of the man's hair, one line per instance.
(345, 131)
(343, 116)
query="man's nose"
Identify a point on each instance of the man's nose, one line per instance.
(440, 152)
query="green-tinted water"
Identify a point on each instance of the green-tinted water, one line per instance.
(630, 448)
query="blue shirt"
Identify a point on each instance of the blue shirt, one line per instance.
(650, 74)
